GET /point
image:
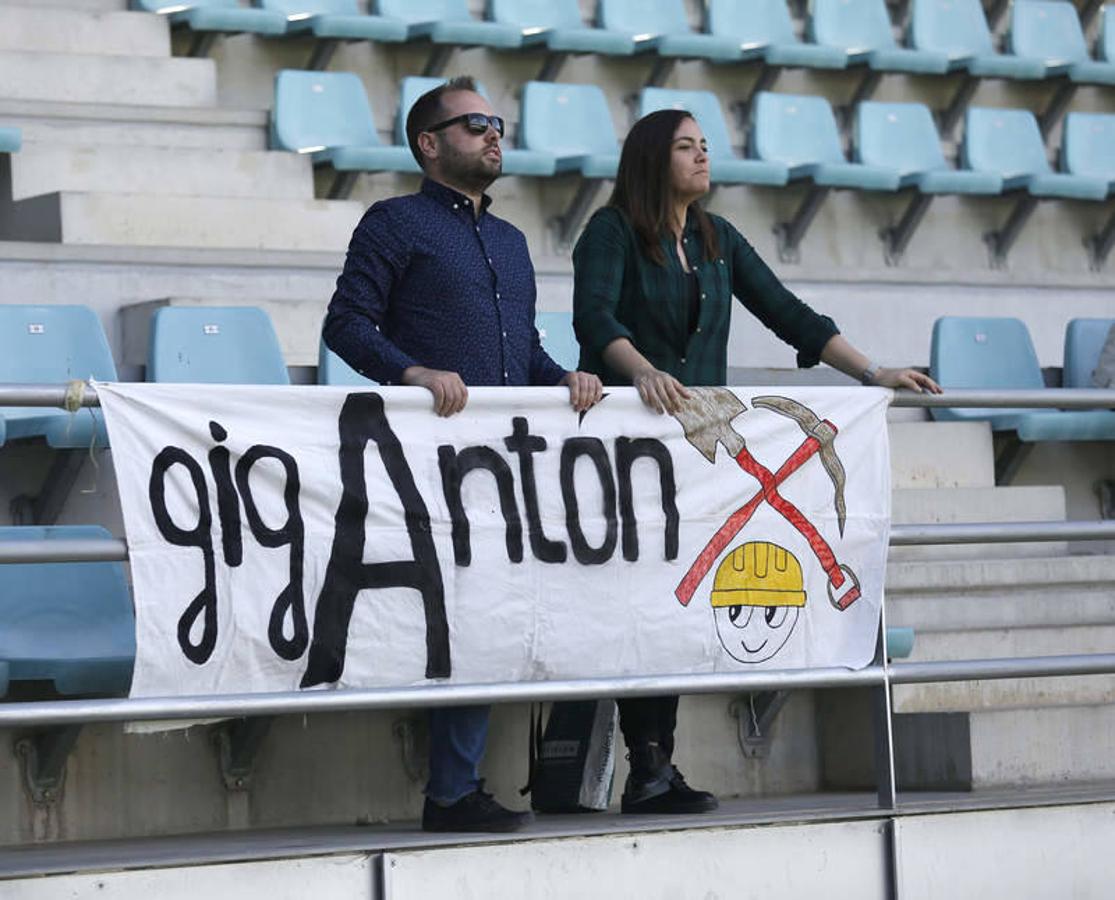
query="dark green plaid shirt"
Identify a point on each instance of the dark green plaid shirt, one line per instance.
(619, 292)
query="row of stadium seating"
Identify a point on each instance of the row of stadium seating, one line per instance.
(1045, 39)
(895, 146)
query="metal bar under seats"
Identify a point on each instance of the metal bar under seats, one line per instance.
(790, 234)
(1099, 244)
(999, 242)
(897, 237)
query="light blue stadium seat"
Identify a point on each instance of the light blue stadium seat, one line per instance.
(1084, 338)
(558, 24)
(862, 29)
(573, 122)
(331, 369)
(218, 16)
(327, 114)
(763, 29)
(1088, 146)
(50, 345)
(11, 139)
(1007, 142)
(801, 132)
(516, 160)
(339, 19)
(665, 24)
(449, 22)
(67, 623)
(899, 643)
(555, 330)
(724, 166)
(1105, 46)
(214, 345)
(998, 354)
(902, 136)
(958, 28)
(1050, 30)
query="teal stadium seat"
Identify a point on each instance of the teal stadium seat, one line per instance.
(327, 115)
(52, 344)
(339, 19)
(214, 345)
(665, 25)
(516, 160)
(724, 166)
(558, 25)
(862, 29)
(1007, 142)
(958, 28)
(1088, 147)
(573, 122)
(555, 330)
(67, 623)
(801, 132)
(1105, 46)
(1084, 339)
(998, 354)
(762, 29)
(331, 369)
(449, 22)
(902, 136)
(11, 139)
(210, 18)
(1049, 30)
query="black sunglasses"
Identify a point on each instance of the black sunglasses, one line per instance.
(477, 123)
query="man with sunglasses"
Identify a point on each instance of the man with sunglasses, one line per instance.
(438, 292)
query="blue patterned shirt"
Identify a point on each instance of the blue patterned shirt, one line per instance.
(427, 283)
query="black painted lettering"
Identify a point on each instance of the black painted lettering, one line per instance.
(228, 504)
(454, 467)
(524, 443)
(571, 451)
(627, 452)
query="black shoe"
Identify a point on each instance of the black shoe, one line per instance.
(666, 794)
(478, 811)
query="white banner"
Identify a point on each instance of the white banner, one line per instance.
(286, 537)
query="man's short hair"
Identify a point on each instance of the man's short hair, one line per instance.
(427, 111)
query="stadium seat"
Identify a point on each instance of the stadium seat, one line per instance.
(998, 354)
(902, 136)
(333, 21)
(1088, 149)
(1084, 338)
(214, 345)
(665, 25)
(863, 30)
(327, 114)
(331, 369)
(516, 160)
(447, 24)
(67, 623)
(1105, 46)
(11, 139)
(959, 29)
(558, 25)
(1007, 142)
(801, 133)
(209, 19)
(762, 29)
(1050, 31)
(555, 330)
(53, 344)
(725, 167)
(573, 122)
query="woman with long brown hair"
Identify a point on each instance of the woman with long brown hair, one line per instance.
(654, 276)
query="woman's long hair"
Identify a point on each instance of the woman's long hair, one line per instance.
(643, 191)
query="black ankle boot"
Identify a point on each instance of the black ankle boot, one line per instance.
(656, 787)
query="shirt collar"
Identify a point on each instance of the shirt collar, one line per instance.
(451, 198)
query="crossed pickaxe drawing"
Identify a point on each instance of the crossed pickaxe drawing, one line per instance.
(706, 419)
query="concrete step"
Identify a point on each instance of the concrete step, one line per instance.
(127, 80)
(999, 593)
(42, 169)
(34, 28)
(150, 221)
(86, 124)
(1013, 693)
(297, 324)
(941, 455)
(978, 504)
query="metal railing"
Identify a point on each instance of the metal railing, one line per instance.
(879, 675)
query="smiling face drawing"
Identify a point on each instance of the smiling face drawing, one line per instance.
(757, 596)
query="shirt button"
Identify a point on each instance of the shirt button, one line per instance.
(456, 206)
(698, 331)
(703, 296)
(497, 295)
(505, 334)
(489, 260)
(683, 360)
